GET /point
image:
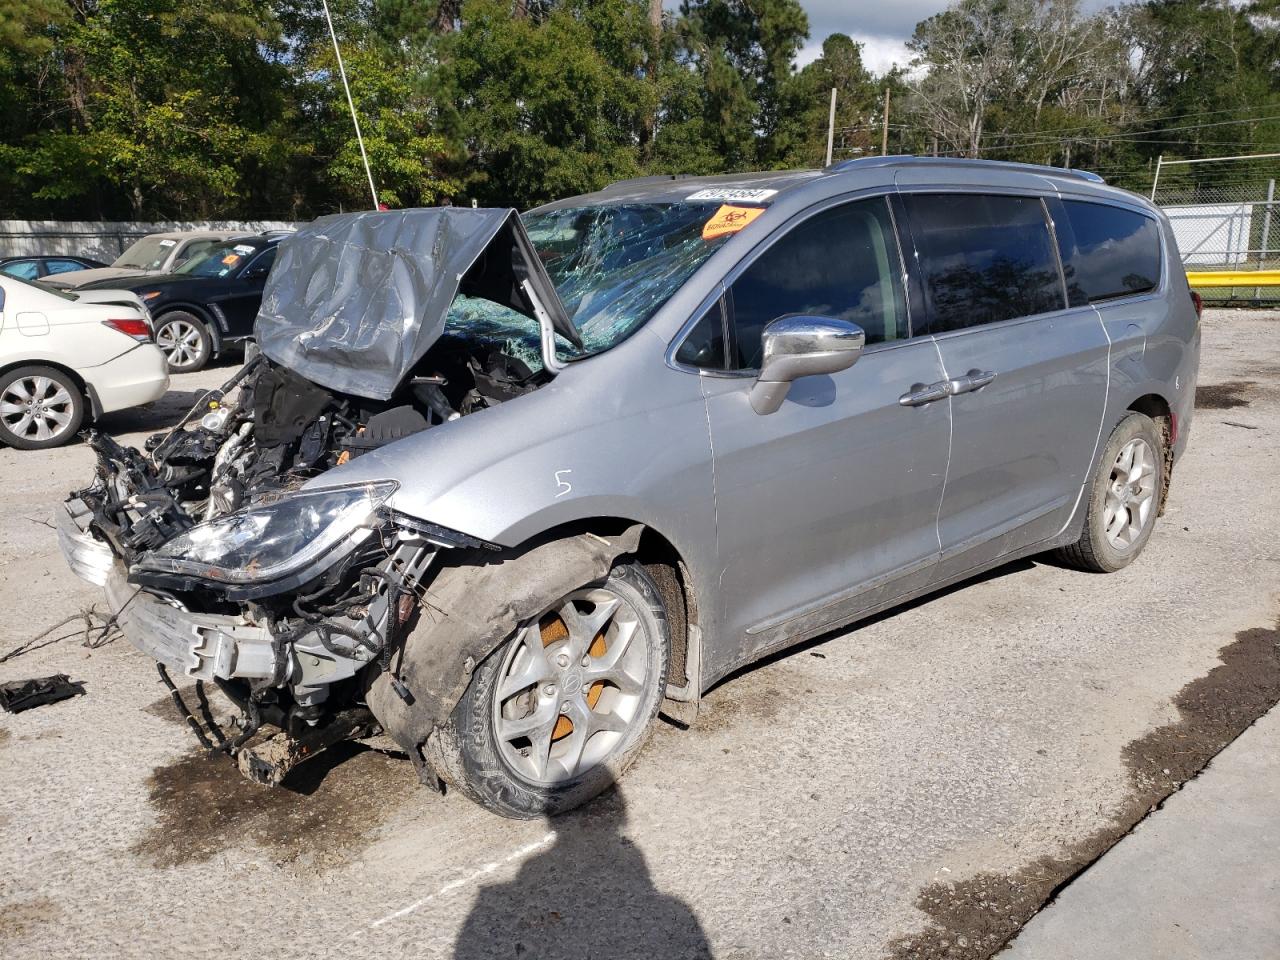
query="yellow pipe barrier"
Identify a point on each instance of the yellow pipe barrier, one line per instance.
(1234, 278)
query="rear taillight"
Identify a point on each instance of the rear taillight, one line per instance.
(1198, 302)
(138, 329)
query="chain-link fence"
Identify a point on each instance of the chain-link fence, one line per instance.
(1226, 216)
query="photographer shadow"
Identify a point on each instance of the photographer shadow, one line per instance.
(589, 896)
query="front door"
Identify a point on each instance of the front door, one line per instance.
(830, 504)
(243, 295)
(1028, 374)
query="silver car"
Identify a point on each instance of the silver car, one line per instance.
(508, 487)
(153, 254)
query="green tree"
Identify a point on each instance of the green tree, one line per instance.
(545, 105)
(744, 54)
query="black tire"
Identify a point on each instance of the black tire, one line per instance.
(185, 341)
(62, 409)
(467, 753)
(1095, 551)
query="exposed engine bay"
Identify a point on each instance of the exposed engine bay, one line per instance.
(267, 431)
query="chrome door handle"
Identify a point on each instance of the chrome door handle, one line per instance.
(919, 394)
(977, 379)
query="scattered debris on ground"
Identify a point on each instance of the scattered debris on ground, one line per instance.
(19, 695)
(975, 918)
(96, 630)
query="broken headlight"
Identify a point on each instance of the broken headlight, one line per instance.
(281, 544)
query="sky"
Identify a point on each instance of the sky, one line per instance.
(881, 26)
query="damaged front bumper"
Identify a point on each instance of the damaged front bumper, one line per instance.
(202, 646)
(216, 646)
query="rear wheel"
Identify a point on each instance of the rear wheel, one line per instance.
(1124, 498)
(184, 340)
(40, 407)
(554, 716)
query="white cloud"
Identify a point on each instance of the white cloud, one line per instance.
(879, 54)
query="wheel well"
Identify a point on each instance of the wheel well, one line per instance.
(664, 564)
(1157, 408)
(89, 400)
(198, 312)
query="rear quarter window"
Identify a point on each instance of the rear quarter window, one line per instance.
(984, 258)
(1108, 252)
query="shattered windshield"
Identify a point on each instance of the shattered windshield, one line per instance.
(612, 265)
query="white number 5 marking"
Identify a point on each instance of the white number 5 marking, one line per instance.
(563, 485)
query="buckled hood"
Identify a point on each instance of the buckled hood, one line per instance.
(355, 300)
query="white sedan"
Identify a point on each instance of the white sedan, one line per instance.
(63, 356)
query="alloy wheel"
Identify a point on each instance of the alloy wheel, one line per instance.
(37, 408)
(181, 343)
(571, 686)
(1130, 498)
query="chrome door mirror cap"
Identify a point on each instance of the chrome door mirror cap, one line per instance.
(798, 345)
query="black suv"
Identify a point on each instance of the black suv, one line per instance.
(208, 302)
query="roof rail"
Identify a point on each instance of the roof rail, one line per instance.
(656, 178)
(907, 159)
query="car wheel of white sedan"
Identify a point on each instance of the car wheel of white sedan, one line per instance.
(184, 340)
(554, 716)
(40, 407)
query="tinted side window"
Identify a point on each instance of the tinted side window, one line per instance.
(984, 258)
(62, 266)
(265, 261)
(704, 346)
(842, 263)
(23, 270)
(1108, 252)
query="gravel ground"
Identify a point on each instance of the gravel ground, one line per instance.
(801, 816)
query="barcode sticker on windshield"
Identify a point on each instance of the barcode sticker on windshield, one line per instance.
(732, 195)
(729, 219)
(243, 248)
(168, 243)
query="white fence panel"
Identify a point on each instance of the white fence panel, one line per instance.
(1212, 234)
(104, 239)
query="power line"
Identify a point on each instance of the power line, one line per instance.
(1134, 136)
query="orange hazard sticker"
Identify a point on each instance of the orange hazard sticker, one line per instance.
(728, 220)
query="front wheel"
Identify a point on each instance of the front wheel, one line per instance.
(554, 716)
(184, 340)
(1124, 498)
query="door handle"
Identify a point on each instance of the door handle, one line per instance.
(919, 394)
(974, 380)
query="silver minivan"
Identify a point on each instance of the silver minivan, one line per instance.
(507, 487)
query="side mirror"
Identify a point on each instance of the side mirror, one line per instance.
(801, 346)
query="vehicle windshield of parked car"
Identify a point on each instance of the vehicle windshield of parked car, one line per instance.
(149, 253)
(219, 261)
(613, 266)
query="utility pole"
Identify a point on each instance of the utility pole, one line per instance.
(831, 126)
(884, 134)
(342, 70)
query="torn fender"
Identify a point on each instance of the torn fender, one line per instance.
(471, 608)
